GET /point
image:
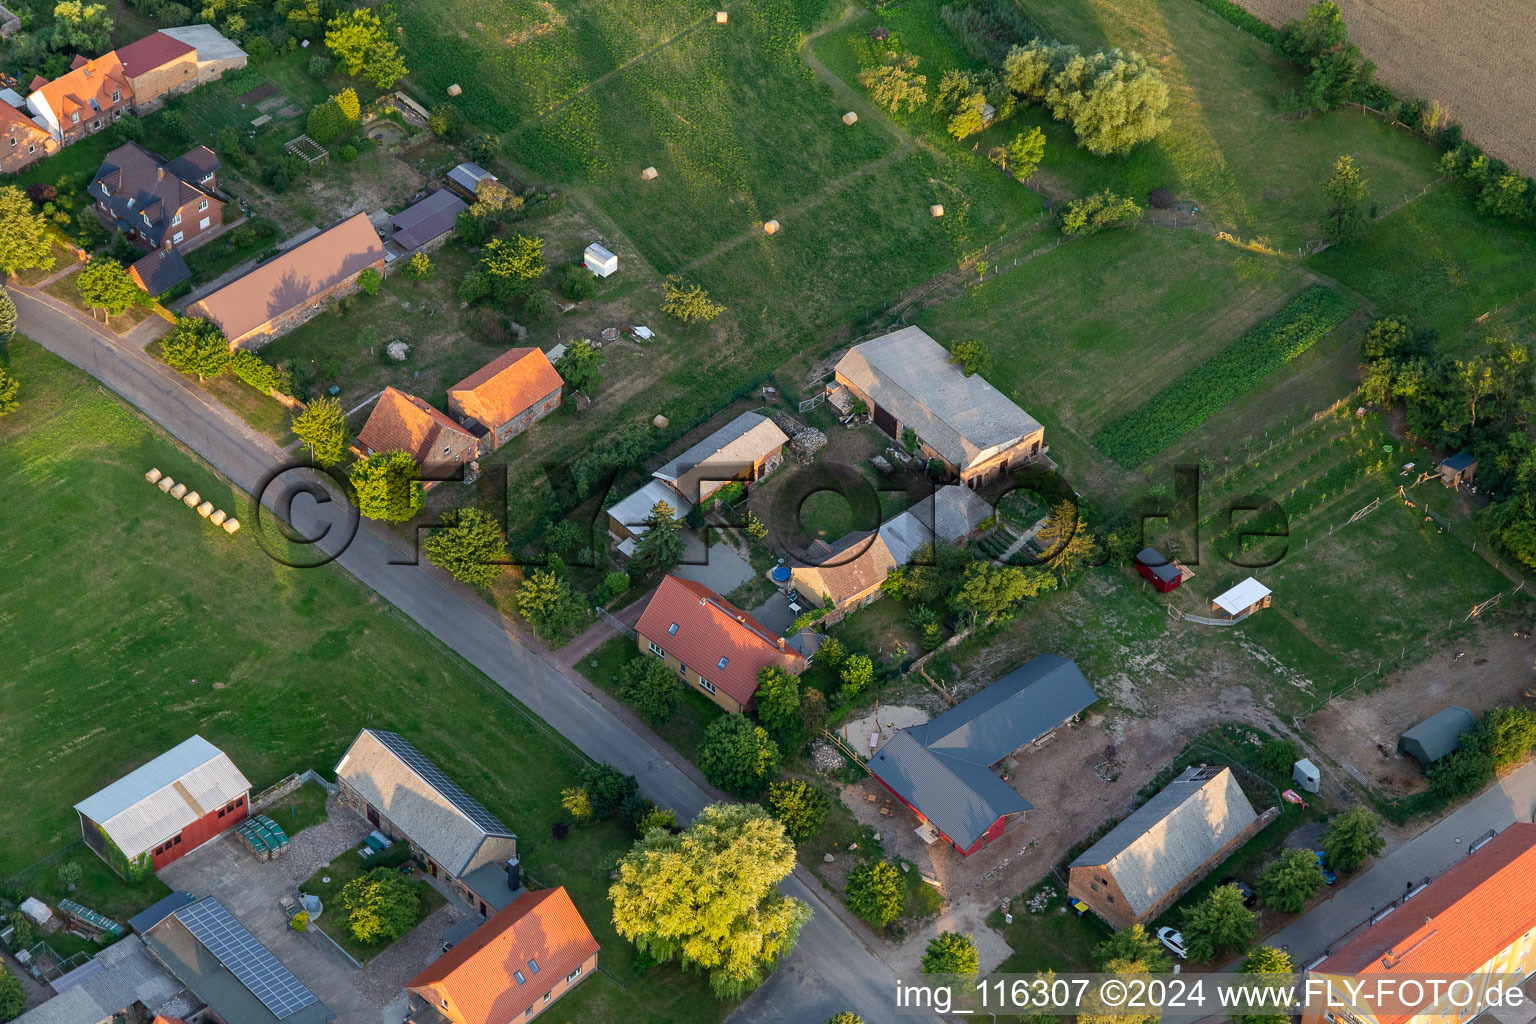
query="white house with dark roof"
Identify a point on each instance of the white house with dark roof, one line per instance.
(407, 797)
(1164, 847)
(165, 809)
(906, 380)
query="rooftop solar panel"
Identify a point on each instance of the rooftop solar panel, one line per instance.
(434, 777)
(246, 958)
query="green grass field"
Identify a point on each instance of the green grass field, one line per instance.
(142, 624)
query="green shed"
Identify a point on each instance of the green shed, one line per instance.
(1437, 735)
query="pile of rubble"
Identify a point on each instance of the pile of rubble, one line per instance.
(825, 758)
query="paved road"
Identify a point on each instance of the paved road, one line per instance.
(1426, 855)
(831, 969)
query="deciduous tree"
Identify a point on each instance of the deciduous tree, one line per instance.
(196, 347)
(874, 892)
(738, 755)
(652, 687)
(10, 388)
(513, 265)
(1219, 924)
(972, 357)
(857, 673)
(1506, 734)
(381, 906)
(800, 806)
(1024, 154)
(1133, 945)
(13, 998)
(322, 430)
(359, 41)
(1097, 212)
(1272, 966)
(708, 897)
(82, 27)
(581, 366)
(7, 317)
(105, 285)
(689, 303)
(387, 486)
(1344, 218)
(607, 788)
(1351, 837)
(469, 545)
(1289, 881)
(548, 603)
(778, 697)
(896, 83)
(951, 953)
(24, 243)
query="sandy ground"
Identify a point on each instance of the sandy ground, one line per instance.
(1491, 668)
(889, 720)
(1465, 55)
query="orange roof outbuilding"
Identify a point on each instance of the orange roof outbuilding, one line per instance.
(1458, 924)
(539, 935)
(506, 387)
(402, 422)
(713, 637)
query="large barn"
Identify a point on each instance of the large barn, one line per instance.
(165, 809)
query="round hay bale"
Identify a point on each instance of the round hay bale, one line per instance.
(454, 90)
(166, 483)
(178, 490)
(772, 227)
(205, 509)
(937, 209)
(192, 499)
(231, 525)
(850, 118)
(649, 174)
(660, 422)
(218, 517)
(153, 476)
(721, 17)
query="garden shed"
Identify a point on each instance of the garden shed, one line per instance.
(1163, 573)
(599, 260)
(1437, 735)
(1458, 470)
(1242, 600)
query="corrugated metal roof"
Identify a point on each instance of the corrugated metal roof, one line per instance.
(435, 215)
(1018, 709)
(159, 799)
(635, 508)
(1244, 595)
(434, 811)
(951, 512)
(908, 374)
(722, 456)
(1172, 835)
(127, 974)
(961, 799)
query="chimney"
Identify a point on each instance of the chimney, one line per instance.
(781, 643)
(703, 602)
(514, 874)
(160, 173)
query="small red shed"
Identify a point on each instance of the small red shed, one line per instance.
(1164, 574)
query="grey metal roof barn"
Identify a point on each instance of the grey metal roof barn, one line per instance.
(115, 979)
(943, 767)
(468, 177)
(1173, 835)
(166, 795)
(964, 419)
(423, 222)
(721, 457)
(1437, 735)
(432, 809)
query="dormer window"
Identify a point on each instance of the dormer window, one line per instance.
(117, 96)
(94, 105)
(145, 214)
(130, 202)
(74, 118)
(106, 189)
(205, 179)
(176, 220)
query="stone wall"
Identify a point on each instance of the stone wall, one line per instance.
(151, 88)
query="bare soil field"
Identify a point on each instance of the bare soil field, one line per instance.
(1464, 54)
(1491, 668)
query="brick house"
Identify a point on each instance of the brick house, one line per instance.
(1472, 927)
(1164, 847)
(157, 203)
(24, 141)
(159, 271)
(408, 798)
(906, 380)
(293, 286)
(507, 395)
(849, 574)
(158, 66)
(710, 643)
(92, 95)
(165, 809)
(402, 422)
(512, 968)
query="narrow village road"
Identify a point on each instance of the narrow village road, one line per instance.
(832, 969)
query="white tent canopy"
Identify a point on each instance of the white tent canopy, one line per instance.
(1242, 597)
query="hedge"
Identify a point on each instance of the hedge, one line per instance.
(1228, 11)
(1231, 373)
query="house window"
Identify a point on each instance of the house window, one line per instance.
(176, 841)
(221, 812)
(547, 995)
(97, 125)
(117, 96)
(573, 975)
(176, 220)
(205, 179)
(202, 203)
(528, 1012)
(721, 662)
(708, 686)
(176, 238)
(656, 650)
(533, 966)
(31, 147)
(239, 801)
(95, 106)
(74, 118)
(202, 225)
(672, 630)
(519, 976)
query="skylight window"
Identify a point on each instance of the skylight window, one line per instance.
(533, 965)
(519, 976)
(721, 662)
(672, 630)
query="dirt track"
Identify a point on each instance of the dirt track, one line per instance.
(1469, 55)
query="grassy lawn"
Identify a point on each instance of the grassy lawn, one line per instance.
(99, 888)
(1439, 263)
(1053, 939)
(684, 730)
(96, 690)
(334, 919)
(260, 411)
(298, 810)
(67, 288)
(62, 258)
(231, 249)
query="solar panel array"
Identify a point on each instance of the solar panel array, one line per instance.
(451, 791)
(246, 958)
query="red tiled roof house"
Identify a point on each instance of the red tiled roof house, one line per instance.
(710, 643)
(89, 98)
(507, 395)
(157, 66)
(402, 422)
(23, 141)
(292, 287)
(510, 969)
(1476, 922)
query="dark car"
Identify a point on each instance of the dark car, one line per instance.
(1250, 898)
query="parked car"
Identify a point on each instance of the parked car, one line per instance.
(1322, 862)
(1174, 940)
(1250, 898)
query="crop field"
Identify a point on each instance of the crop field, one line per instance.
(1088, 332)
(1458, 54)
(1441, 264)
(142, 643)
(1252, 169)
(1201, 391)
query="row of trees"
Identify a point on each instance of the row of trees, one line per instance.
(1113, 99)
